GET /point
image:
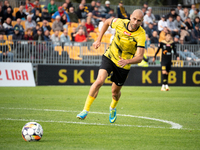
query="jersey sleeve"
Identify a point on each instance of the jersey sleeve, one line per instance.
(115, 22)
(159, 47)
(141, 41)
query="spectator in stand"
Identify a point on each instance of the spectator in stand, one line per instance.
(64, 19)
(37, 5)
(107, 6)
(38, 36)
(187, 55)
(96, 15)
(17, 38)
(145, 5)
(92, 19)
(29, 4)
(179, 24)
(37, 17)
(45, 26)
(72, 15)
(196, 21)
(154, 38)
(148, 18)
(6, 6)
(163, 34)
(189, 25)
(57, 24)
(162, 23)
(29, 11)
(2, 30)
(92, 5)
(80, 36)
(73, 34)
(109, 30)
(144, 9)
(193, 7)
(55, 38)
(5, 49)
(89, 25)
(64, 38)
(80, 11)
(8, 26)
(21, 28)
(65, 8)
(185, 14)
(28, 36)
(110, 14)
(52, 7)
(179, 10)
(69, 4)
(176, 39)
(45, 14)
(20, 14)
(172, 13)
(30, 24)
(60, 12)
(149, 29)
(1, 14)
(86, 10)
(47, 36)
(171, 26)
(82, 26)
(194, 14)
(121, 12)
(8, 14)
(196, 34)
(101, 8)
(36, 28)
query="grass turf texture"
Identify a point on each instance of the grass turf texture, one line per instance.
(180, 105)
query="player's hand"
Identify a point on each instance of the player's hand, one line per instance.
(122, 62)
(153, 59)
(96, 44)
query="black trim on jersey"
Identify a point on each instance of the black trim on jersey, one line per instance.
(141, 46)
(129, 30)
(111, 23)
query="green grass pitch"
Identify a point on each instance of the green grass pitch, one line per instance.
(154, 117)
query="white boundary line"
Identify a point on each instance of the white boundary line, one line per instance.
(173, 125)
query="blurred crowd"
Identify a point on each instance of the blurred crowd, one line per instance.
(64, 24)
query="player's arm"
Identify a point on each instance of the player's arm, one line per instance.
(137, 59)
(154, 58)
(106, 24)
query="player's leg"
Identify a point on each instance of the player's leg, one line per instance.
(116, 93)
(165, 80)
(94, 89)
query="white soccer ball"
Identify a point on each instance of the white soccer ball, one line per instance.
(32, 131)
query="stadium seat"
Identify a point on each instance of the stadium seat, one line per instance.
(73, 52)
(58, 49)
(15, 11)
(73, 24)
(93, 35)
(177, 63)
(23, 24)
(5, 37)
(14, 23)
(40, 23)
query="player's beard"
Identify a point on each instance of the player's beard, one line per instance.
(134, 26)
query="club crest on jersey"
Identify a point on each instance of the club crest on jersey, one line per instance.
(115, 20)
(129, 34)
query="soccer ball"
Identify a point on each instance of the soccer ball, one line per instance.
(32, 131)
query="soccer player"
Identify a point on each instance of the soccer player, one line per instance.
(129, 41)
(168, 47)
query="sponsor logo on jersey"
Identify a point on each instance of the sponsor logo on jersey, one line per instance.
(115, 20)
(129, 34)
(168, 44)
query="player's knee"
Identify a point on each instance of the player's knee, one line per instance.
(99, 82)
(115, 93)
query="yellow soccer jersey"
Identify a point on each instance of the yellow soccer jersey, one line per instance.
(125, 42)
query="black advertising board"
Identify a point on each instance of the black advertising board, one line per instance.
(138, 76)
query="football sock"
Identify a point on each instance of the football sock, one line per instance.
(163, 86)
(165, 78)
(113, 103)
(88, 102)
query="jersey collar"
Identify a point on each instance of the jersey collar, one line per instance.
(129, 30)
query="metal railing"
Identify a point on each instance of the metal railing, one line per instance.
(84, 54)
